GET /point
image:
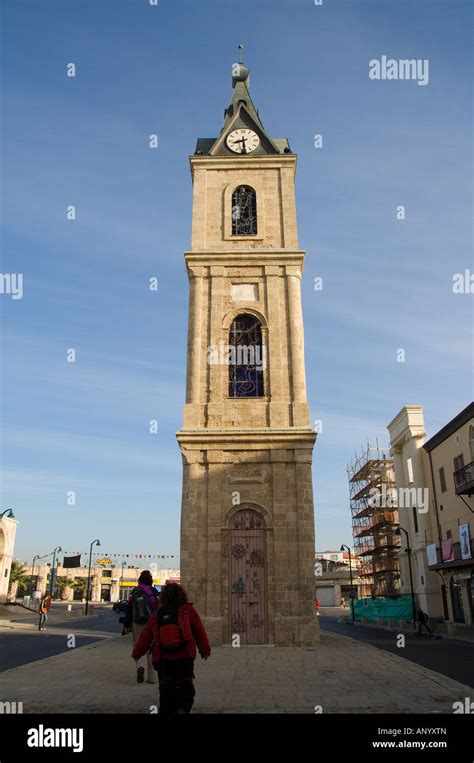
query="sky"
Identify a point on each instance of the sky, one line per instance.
(83, 141)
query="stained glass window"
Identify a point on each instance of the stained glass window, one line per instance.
(244, 211)
(246, 358)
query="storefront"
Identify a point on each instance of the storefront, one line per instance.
(462, 597)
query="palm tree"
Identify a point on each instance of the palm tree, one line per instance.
(18, 578)
(78, 584)
(62, 583)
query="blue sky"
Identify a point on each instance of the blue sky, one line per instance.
(83, 141)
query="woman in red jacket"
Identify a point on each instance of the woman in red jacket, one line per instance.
(172, 633)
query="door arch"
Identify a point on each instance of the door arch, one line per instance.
(248, 578)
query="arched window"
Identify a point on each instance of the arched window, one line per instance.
(244, 211)
(246, 357)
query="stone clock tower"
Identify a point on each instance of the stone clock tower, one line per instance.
(247, 523)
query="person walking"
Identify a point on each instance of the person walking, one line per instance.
(43, 609)
(142, 603)
(423, 622)
(174, 633)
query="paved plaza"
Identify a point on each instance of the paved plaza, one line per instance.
(340, 675)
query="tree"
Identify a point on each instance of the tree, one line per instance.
(78, 585)
(18, 578)
(61, 584)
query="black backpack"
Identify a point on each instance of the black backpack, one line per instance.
(141, 607)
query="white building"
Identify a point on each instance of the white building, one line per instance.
(7, 543)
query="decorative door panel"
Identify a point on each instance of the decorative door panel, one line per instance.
(248, 563)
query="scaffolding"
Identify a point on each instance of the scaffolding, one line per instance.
(375, 521)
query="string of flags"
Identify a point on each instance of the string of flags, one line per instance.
(122, 556)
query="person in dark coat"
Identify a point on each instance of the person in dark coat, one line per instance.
(174, 634)
(423, 622)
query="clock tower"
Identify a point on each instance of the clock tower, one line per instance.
(247, 521)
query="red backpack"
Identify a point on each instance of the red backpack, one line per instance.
(170, 632)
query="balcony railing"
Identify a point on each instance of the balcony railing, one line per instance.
(464, 480)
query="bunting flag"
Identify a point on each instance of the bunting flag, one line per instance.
(119, 556)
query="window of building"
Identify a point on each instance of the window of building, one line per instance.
(410, 471)
(415, 519)
(245, 357)
(442, 479)
(458, 462)
(244, 211)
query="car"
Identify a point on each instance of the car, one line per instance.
(120, 606)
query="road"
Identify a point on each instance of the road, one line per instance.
(24, 645)
(450, 657)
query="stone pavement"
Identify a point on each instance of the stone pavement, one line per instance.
(341, 675)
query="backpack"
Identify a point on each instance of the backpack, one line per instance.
(170, 633)
(141, 607)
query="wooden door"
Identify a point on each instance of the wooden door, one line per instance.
(248, 563)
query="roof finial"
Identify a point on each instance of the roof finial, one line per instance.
(241, 47)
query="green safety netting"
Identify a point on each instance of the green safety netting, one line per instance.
(396, 609)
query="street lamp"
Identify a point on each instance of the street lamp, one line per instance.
(408, 551)
(97, 541)
(121, 580)
(350, 577)
(38, 556)
(53, 572)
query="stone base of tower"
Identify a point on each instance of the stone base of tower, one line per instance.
(296, 631)
(247, 534)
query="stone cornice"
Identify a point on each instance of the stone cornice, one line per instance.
(273, 161)
(258, 438)
(238, 257)
(407, 424)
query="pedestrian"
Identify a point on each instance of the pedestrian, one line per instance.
(423, 622)
(317, 604)
(173, 633)
(44, 607)
(142, 603)
(343, 603)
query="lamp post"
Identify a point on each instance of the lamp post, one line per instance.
(408, 551)
(8, 513)
(53, 572)
(97, 541)
(38, 556)
(121, 581)
(350, 578)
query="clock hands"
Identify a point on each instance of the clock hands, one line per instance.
(242, 140)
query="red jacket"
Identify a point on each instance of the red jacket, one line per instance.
(193, 631)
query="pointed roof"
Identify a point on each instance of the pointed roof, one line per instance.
(241, 112)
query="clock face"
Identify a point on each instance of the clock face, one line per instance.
(243, 141)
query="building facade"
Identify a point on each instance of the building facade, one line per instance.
(8, 527)
(107, 583)
(247, 522)
(440, 525)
